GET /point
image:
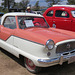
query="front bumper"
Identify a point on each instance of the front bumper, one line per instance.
(62, 58)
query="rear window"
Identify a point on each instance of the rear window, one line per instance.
(73, 13)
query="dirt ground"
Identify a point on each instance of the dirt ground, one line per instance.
(10, 65)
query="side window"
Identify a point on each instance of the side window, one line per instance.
(60, 13)
(10, 22)
(50, 13)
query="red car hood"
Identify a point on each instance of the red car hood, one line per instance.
(41, 35)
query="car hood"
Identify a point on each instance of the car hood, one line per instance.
(41, 35)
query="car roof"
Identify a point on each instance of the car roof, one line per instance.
(65, 5)
(19, 14)
(70, 7)
(22, 14)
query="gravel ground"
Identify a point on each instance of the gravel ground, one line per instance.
(10, 65)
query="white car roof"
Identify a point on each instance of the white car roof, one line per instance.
(64, 5)
(19, 14)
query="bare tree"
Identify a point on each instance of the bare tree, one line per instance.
(71, 1)
(24, 3)
(8, 3)
(37, 7)
(52, 2)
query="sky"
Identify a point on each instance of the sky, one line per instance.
(32, 2)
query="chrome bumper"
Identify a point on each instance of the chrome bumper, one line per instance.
(58, 60)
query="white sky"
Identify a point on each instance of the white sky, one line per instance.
(17, 0)
(32, 2)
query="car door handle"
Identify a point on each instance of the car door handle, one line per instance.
(71, 20)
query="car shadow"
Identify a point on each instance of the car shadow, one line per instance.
(19, 61)
(64, 69)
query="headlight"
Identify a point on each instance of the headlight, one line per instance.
(50, 44)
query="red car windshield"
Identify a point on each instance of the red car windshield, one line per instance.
(26, 22)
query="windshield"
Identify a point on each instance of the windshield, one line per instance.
(26, 22)
(73, 13)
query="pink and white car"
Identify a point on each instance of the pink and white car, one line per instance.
(28, 35)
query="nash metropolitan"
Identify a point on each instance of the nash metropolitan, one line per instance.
(29, 35)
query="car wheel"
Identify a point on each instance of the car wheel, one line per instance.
(31, 66)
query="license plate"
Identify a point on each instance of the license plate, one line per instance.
(71, 60)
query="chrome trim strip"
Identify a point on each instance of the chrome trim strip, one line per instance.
(65, 41)
(69, 52)
(49, 61)
(23, 39)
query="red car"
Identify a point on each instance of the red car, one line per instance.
(62, 17)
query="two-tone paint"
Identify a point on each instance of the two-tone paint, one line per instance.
(31, 42)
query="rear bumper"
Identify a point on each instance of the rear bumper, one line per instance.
(70, 58)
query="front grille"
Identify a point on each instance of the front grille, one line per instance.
(65, 47)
